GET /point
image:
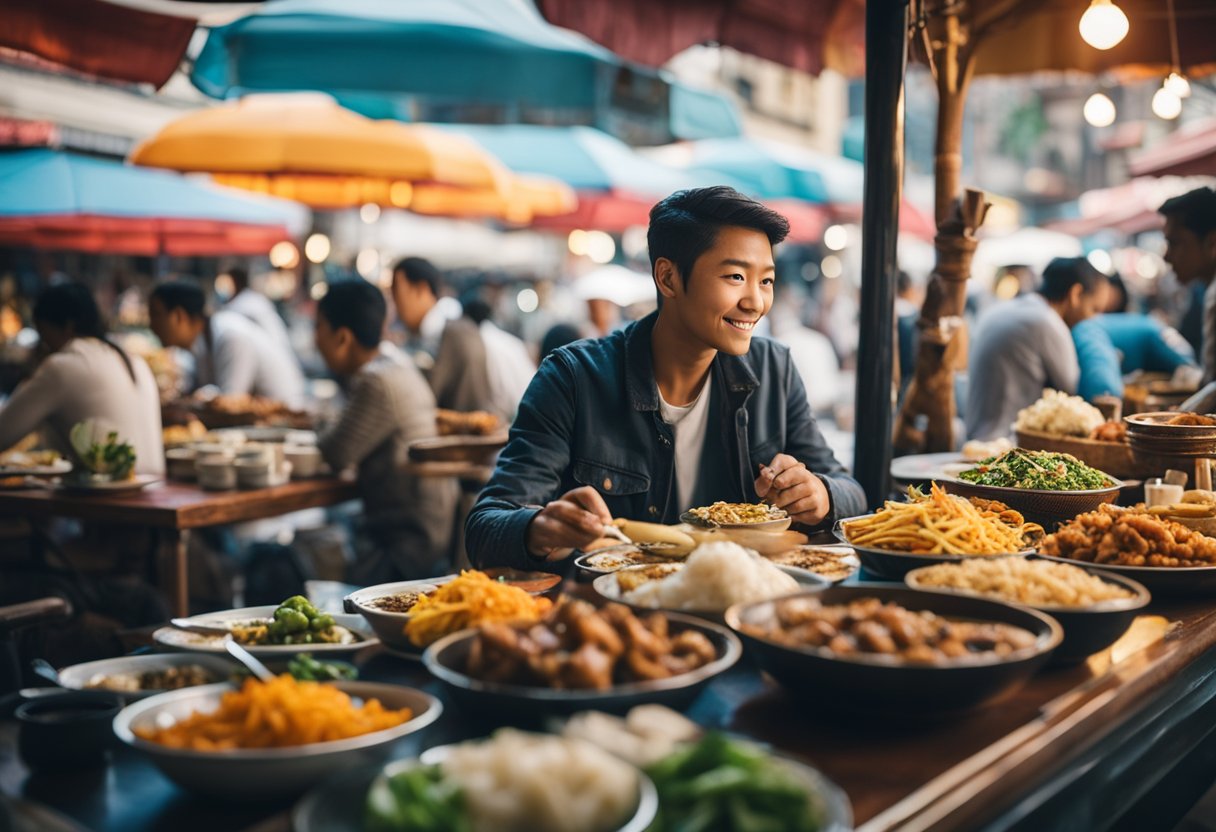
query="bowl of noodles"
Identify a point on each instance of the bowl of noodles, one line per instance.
(935, 528)
(274, 739)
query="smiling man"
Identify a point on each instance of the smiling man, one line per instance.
(680, 409)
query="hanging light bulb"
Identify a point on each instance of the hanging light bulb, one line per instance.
(1178, 85)
(1103, 25)
(1166, 104)
(1099, 110)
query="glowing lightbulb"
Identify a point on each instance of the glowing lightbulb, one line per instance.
(1178, 85)
(1103, 25)
(1099, 110)
(1166, 104)
(316, 248)
(835, 237)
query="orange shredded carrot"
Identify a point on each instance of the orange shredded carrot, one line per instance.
(275, 714)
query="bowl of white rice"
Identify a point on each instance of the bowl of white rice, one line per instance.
(714, 577)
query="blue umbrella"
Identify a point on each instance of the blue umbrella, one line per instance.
(772, 170)
(584, 158)
(379, 56)
(50, 198)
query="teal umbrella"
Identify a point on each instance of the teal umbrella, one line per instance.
(458, 58)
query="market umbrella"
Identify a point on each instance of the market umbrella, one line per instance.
(776, 171)
(305, 147)
(51, 199)
(109, 40)
(616, 185)
(807, 35)
(451, 60)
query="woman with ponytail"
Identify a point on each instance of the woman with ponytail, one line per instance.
(84, 376)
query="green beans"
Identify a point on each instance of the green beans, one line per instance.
(417, 800)
(726, 786)
(307, 669)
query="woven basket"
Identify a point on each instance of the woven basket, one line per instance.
(1114, 458)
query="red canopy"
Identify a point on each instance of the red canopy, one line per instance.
(1190, 151)
(804, 34)
(138, 235)
(102, 39)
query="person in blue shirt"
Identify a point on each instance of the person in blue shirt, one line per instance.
(1144, 342)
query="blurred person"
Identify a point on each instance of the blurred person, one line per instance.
(682, 408)
(84, 376)
(1142, 341)
(907, 313)
(509, 365)
(1190, 250)
(230, 351)
(460, 375)
(258, 308)
(559, 335)
(407, 523)
(417, 288)
(811, 351)
(603, 315)
(1024, 346)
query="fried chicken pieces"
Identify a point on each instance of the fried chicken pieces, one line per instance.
(577, 646)
(1130, 537)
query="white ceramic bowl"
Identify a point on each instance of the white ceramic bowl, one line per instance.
(179, 464)
(215, 473)
(265, 773)
(389, 626)
(305, 460)
(77, 676)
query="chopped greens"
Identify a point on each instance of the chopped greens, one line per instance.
(416, 800)
(727, 786)
(1038, 470)
(112, 458)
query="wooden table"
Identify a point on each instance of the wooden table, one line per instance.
(1124, 740)
(178, 508)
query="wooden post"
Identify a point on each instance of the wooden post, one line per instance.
(886, 36)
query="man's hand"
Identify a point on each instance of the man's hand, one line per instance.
(575, 519)
(786, 483)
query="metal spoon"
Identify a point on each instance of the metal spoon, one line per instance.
(246, 658)
(43, 668)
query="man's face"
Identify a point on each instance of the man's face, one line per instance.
(729, 291)
(172, 327)
(331, 345)
(1084, 305)
(412, 300)
(1191, 257)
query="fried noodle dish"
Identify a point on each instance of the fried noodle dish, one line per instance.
(1130, 537)
(737, 514)
(468, 601)
(943, 524)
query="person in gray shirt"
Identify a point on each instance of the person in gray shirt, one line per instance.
(1025, 346)
(407, 525)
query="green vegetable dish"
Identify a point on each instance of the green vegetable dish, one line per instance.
(307, 669)
(728, 786)
(111, 459)
(419, 800)
(296, 621)
(1037, 470)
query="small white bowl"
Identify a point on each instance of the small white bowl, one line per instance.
(179, 464)
(215, 473)
(305, 460)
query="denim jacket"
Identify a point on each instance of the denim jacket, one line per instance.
(591, 417)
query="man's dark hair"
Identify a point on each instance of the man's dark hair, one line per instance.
(181, 294)
(686, 224)
(903, 281)
(476, 309)
(1063, 273)
(358, 306)
(1124, 299)
(1194, 210)
(240, 278)
(419, 270)
(72, 305)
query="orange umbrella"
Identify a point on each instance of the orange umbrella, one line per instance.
(307, 148)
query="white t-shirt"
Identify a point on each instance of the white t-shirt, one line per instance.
(242, 358)
(689, 423)
(88, 380)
